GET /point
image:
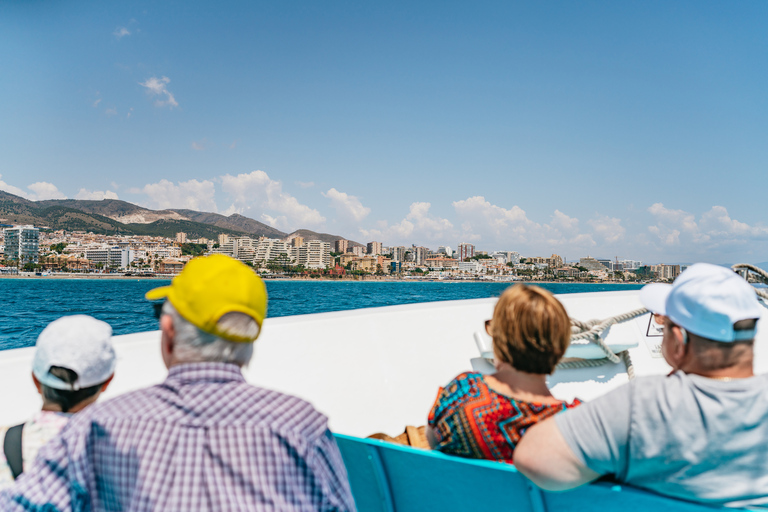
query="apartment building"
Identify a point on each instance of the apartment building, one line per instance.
(315, 254)
(374, 248)
(22, 244)
(341, 246)
(271, 248)
(398, 253)
(465, 251)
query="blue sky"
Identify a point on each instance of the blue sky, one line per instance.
(629, 129)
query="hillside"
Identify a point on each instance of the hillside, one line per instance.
(113, 216)
(74, 215)
(234, 222)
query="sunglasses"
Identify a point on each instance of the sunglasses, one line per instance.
(158, 309)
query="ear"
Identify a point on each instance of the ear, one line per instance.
(679, 347)
(37, 384)
(168, 335)
(106, 383)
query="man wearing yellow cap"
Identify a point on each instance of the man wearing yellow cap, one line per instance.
(204, 439)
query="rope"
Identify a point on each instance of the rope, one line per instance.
(757, 270)
(591, 330)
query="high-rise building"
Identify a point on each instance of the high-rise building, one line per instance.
(298, 241)
(315, 254)
(181, 237)
(398, 253)
(357, 250)
(341, 246)
(465, 251)
(22, 244)
(374, 248)
(419, 254)
(223, 239)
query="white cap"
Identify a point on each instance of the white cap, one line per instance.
(706, 300)
(79, 343)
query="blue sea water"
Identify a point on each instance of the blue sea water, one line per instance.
(30, 304)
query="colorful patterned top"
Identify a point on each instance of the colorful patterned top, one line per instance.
(471, 420)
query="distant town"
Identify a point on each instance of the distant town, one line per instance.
(28, 250)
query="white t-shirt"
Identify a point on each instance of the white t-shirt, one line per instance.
(684, 436)
(38, 430)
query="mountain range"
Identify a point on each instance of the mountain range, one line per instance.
(113, 216)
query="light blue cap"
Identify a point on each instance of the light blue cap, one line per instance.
(706, 300)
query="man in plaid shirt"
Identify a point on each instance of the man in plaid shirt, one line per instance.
(203, 439)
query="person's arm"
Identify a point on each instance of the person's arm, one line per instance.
(329, 469)
(547, 460)
(577, 446)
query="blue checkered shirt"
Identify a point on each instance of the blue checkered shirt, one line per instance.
(203, 440)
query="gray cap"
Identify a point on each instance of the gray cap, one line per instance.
(79, 343)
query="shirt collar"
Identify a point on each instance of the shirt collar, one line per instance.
(190, 373)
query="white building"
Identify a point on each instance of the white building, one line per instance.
(113, 257)
(471, 267)
(271, 248)
(315, 254)
(22, 244)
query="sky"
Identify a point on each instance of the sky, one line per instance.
(634, 130)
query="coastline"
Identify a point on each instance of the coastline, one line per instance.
(367, 279)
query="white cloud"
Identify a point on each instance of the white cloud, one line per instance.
(305, 184)
(234, 144)
(192, 195)
(257, 191)
(199, 146)
(95, 195)
(347, 206)
(121, 32)
(715, 228)
(416, 227)
(40, 191)
(494, 223)
(96, 103)
(5, 187)
(111, 111)
(43, 190)
(159, 87)
(609, 229)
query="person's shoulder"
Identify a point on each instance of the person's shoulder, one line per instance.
(282, 411)
(468, 377)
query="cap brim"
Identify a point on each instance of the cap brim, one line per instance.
(654, 297)
(157, 293)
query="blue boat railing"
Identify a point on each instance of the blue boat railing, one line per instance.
(387, 477)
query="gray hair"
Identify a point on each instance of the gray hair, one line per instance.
(192, 345)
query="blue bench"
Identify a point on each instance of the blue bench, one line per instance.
(387, 477)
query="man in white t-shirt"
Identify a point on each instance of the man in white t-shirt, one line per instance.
(697, 434)
(74, 362)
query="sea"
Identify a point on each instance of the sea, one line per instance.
(28, 305)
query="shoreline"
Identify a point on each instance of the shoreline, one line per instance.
(371, 279)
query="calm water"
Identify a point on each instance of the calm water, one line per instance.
(30, 304)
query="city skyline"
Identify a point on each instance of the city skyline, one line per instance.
(629, 130)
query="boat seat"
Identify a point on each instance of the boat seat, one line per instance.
(387, 477)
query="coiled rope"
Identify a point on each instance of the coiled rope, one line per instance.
(591, 330)
(757, 270)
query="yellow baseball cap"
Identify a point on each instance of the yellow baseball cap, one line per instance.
(210, 287)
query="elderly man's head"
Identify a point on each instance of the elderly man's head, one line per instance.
(213, 313)
(710, 316)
